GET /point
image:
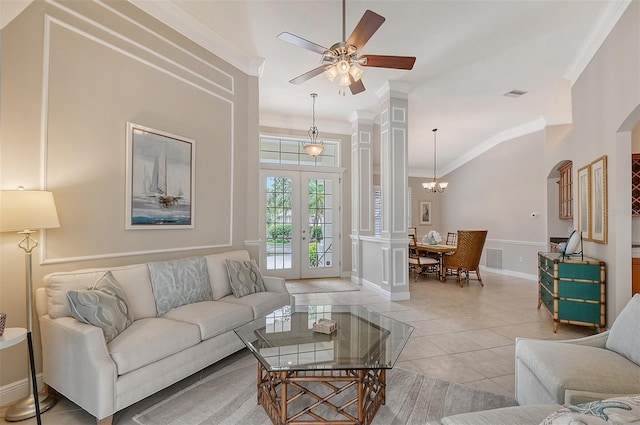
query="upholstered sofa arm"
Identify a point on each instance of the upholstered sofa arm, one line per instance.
(77, 364)
(597, 340)
(274, 284)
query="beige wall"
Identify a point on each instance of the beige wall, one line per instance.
(498, 191)
(73, 74)
(606, 99)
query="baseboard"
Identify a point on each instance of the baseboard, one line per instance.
(14, 391)
(521, 275)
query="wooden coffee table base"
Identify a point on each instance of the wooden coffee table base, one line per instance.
(362, 393)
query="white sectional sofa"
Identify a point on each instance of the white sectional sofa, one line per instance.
(154, 351)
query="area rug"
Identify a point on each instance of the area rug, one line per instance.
(229, 397)
(319, 286)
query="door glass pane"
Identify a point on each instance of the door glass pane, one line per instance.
(320, 223)
(278, 216)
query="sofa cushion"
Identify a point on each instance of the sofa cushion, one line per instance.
(134, 279)
(58, 284)
(212, 317)
(150, 340)
(261, 303)
(179, 282)
(245, 277)
(624, 336)
(218, 275)
(560, 366)
(618, 410)
(104, 306)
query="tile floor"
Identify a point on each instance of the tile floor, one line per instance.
(465, 335)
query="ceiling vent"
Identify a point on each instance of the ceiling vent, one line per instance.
(515, 93)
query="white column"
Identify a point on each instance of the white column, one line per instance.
(393, 175)
(361, 186)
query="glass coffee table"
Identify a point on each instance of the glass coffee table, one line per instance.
(306, 376)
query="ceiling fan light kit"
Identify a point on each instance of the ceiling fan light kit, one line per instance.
(343, 59)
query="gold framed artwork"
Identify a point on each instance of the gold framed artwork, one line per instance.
(598, 195)
(584, 202)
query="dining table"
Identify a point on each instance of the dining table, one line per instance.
(437, 249)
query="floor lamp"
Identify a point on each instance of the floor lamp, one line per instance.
(25, 211)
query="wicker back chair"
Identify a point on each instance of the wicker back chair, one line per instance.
(466, 259)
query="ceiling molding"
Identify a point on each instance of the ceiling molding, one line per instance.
(177, 18)
(361, 116)
(394, 88)
(599, 33)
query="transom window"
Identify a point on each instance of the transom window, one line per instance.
(277, 150)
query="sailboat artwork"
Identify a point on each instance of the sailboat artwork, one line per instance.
(161, 179)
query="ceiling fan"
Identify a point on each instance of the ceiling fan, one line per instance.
(343, 59)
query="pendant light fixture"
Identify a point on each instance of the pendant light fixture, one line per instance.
(316, 146)
(434, 186)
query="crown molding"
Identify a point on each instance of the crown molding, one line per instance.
(394, 88)
(177, 18)
(598, 34)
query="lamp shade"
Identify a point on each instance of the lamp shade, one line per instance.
(27, 210)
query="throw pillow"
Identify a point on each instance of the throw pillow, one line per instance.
(105, 306)
(179, 282)
(244, 277)
(624, 337)
(613, 411)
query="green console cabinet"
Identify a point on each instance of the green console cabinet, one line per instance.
(572, 289)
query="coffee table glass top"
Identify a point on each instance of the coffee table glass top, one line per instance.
(364, 339)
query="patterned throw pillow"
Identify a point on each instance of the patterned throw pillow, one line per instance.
(104, 306)
(179, 282)
(244, 277)
(613, 411)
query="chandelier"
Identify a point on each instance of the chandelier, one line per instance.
(434, 186)
(316, 146)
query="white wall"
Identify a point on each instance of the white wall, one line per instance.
(498, 191)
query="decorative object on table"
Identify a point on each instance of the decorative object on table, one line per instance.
(316, 146)
(599, 200)
(571, 247)
(434, 186)
(325, 326)
(343, 59)
(160, 180)
(425, 212)
(432, 238)
(3, 322)
(25, 211)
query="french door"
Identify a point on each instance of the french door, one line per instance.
(300, 224)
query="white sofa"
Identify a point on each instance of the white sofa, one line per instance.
(153, 352)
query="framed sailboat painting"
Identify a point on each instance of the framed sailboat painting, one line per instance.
(160, 179)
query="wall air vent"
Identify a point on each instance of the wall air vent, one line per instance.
(515, 93)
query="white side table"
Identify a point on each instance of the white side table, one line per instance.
(12, 336)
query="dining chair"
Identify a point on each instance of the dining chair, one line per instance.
(420, 263)
(452, 238)
(466, 259)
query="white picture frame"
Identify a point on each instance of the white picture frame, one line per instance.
(160, 180)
